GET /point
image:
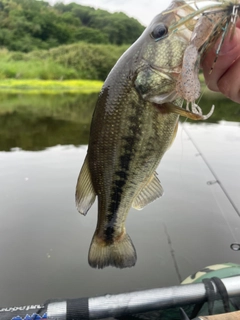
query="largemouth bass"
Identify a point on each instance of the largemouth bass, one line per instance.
(136, 119)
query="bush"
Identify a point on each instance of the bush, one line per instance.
(76, 61)
(27, 25)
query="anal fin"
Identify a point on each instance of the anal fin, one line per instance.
(85, 194)
(150, 191)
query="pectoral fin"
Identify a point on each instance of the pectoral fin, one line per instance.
(85, 194)
(150, 191)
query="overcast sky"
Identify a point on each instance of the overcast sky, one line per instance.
(143, 10)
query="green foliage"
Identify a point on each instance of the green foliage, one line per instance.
(91, 35)
(34, 69)
(90, 61)
(27, 25)
(76, 61)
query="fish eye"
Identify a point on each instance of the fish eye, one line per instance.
(159, 31)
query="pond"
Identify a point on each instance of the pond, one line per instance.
(44, 241)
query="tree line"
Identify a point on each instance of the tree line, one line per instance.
(27, 25)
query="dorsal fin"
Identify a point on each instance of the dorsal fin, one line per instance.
(150, 191)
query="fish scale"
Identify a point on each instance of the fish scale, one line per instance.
(135, 121)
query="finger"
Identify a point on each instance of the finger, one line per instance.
(229, 53)
(229, 83)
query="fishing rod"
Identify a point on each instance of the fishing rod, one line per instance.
(213, 172)
(124, 304)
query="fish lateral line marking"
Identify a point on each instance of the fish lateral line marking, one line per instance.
(130, 142)
(135, 119)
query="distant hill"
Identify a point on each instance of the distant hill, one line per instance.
(27, 25)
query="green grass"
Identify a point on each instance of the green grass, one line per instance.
(33, 86)
(77, 61)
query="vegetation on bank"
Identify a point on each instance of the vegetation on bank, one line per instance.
(33, 86)
(61, 42)
(27, 25)
(75, 61)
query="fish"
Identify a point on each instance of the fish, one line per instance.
(136, 118)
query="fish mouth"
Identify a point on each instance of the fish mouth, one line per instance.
(164, 102)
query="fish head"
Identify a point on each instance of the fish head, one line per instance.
(161, 55)
(174, 44)
(163, 45)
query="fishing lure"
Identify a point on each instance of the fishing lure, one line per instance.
(207, 25)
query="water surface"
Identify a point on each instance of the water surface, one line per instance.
(44, 241)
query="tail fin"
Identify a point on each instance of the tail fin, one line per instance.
(119, 254)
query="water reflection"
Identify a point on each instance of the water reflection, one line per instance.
(225, 109)
(35, 122)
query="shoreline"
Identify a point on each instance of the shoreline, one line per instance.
(37, 86)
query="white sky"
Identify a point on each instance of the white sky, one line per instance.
(143, 10)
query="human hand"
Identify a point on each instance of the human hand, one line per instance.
(225, 76)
